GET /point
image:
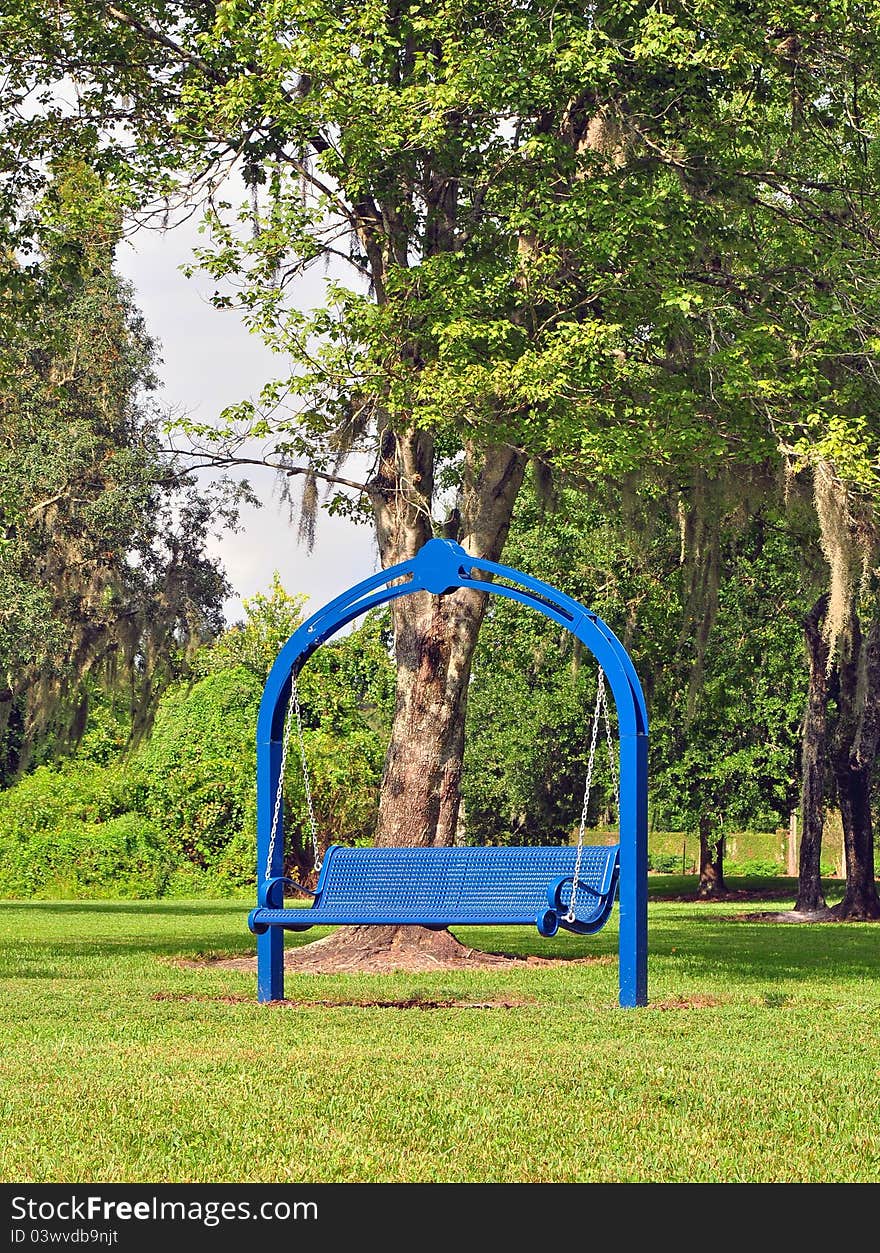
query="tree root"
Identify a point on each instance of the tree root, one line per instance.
(381, 950)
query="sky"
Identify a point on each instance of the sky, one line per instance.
(209, 360)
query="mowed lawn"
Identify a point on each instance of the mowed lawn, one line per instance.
(758, 1058)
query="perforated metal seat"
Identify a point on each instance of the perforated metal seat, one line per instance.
(444, 887)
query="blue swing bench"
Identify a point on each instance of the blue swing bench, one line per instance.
(460, 886)
(447, 887)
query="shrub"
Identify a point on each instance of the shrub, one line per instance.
(178, 815)
(125, 856)
(665, 863)
(755, 868)
(196, 774)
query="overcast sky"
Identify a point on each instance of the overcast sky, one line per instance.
(208, 361)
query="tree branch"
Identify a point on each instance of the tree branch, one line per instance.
(158, 36)
(220, 461)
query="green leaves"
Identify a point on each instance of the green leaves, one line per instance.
(102, 557)
(728, 749)
(270, 620)
(495, 175)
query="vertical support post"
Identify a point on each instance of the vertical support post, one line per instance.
(270, 945)
(633, 940)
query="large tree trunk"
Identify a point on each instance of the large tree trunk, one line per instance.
(810, 897)
(434, 645)
(854, 754)
(711, 861)
(434, 639)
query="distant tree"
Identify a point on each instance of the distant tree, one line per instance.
(814, 761)
(724, 728)
(104, 570)
(270, 619)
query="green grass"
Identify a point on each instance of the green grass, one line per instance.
(757, 1059)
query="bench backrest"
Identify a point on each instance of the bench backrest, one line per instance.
(456, 882)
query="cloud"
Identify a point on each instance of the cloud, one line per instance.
(209, 360)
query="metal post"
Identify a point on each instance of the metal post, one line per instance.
(270, 947)
(791, 861)
(633, 939)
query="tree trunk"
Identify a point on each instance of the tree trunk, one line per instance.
(810, 897)
(860, 901)
(434, 639)
(711, 861)
(855, 751)
(434, 643)
(434, 636)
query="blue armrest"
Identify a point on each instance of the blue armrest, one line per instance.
(270, 893)
(554, 891)
(548, 920)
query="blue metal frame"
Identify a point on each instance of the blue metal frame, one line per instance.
(441, 566)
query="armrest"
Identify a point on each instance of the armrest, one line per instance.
(270, 893)
(592, 917)
(554, 891)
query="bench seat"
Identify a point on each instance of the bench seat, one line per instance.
(444, 887)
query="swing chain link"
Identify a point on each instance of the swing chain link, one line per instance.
(612, 762)
(307, 783)
(294, 707)
(279, 792)
(601, 704)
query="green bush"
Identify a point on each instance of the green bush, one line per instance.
(148, 825)
(196, 773)
(754, 868)
(125, 856)
(48, 817)
(177, 816)
(665, 863)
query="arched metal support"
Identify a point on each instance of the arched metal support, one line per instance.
(441, 566)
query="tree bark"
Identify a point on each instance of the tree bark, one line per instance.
(814, 747)
(860, 901)
(434, 642)
(711, 862)
(434, 639)
(435, 636)
(854, 754)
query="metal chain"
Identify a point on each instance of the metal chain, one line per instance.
(591, 761)
(293, 707)
(307, 784)
(279, 792)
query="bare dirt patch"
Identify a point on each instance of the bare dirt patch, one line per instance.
(687, 1002)
(383, 950)
(786, 915)
(406, 1002)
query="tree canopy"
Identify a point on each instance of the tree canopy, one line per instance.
(104, 569)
